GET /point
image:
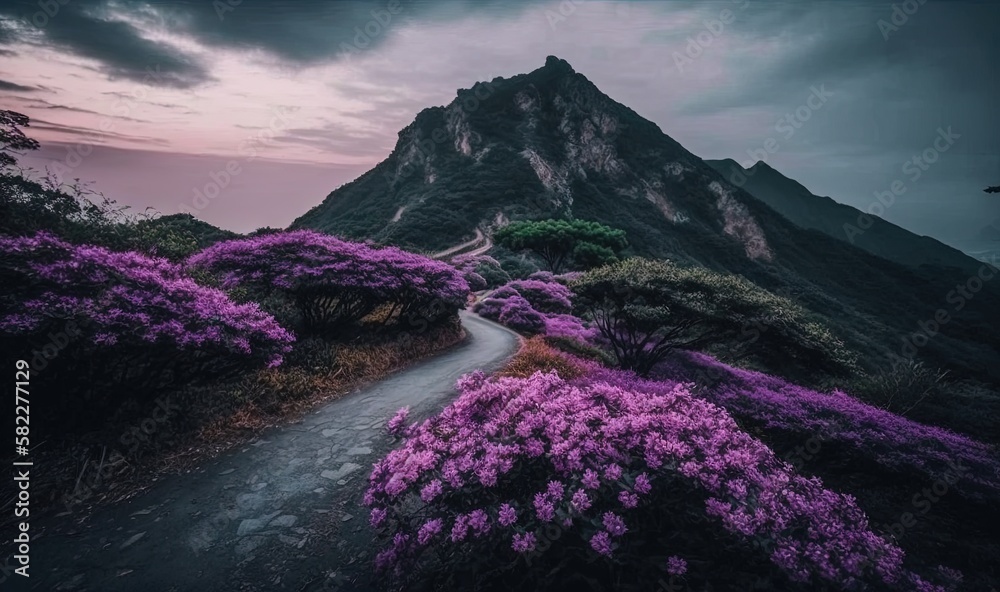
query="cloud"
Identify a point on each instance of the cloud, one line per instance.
(95, 30)
(5, 85)
(93, 136)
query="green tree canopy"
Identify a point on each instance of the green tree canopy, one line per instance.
(646, 308)
(560, 243)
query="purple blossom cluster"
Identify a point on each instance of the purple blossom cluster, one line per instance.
(595, 448)
(336, 281)
(539, 305)
(128, 300)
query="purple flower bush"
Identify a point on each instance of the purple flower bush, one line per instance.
(512, 456)
(527, 301)
(893, 441)
(517, 313)
(335, 283)
(480, 271)
(142, 312)
(546, 297)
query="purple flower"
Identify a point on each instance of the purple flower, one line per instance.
(591, 480)
(397, 423)
(429, 530)
(377, 517)
(601, 543)
(479, 521)
(431, 491)
(523, 543)
(642, 485)
(544, 508)
(507, 515)
(628, 499)
(580, 501)
(614, 524)
(460, 529)
(676, 566)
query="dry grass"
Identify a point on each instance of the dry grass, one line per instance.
(217, 417)
(535, 355)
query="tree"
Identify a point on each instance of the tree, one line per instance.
(561, 242)
(12, 139)
(993, 189)
(333, 283)
(647, 308)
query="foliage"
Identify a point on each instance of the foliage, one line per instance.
(142, 323)
(517, 313)
(560, 242)
(546, 297)
(645, 309)
(334, 283)
(480, 271)
(479, 483)
(12, 139)
(901, 388)
(840, 421)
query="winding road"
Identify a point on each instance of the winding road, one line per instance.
(281, 513)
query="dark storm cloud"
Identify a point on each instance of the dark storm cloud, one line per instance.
(89, 30)
(297, 31)
(12, 86)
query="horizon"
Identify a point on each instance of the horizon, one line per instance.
(168, 95)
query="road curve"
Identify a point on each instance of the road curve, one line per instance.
(282, 513)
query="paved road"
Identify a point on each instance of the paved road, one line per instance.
(282, 513)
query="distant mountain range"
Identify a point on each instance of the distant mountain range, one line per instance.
(793, 201)
(550, 144)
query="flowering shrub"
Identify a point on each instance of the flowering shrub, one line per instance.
(546, 297)
(143, 322)
(527, 301)
(514, 455)
(570, 327)
(891, 440)
(480, 271)
(518, 314)
(647, 308)
(335, 283)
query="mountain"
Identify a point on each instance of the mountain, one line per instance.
(550, 143)
(882, 238)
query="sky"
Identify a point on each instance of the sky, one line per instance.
(265, 107)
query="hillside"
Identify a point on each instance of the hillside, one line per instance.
(550, 143)
(793, 201)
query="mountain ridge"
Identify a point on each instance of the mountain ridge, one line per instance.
(549, 143)
(841, 221)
